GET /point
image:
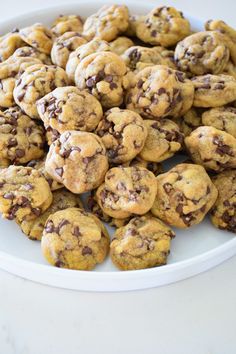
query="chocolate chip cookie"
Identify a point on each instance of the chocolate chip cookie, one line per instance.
(34, 83)
(143, 243)
(62, 199)
(6, 92)
(107, 23)
(138, 57)
(67, 23)
(202, 53)
(77, 160)
(37, 36)
(24, 193)
(21, 139)
(94, 46)
(64, 45)
(68, 108)
(123, 134)
(222, 118)
(212, 148)
(184, 195)
(190, 120)
(164, 139)
(214, 90)
(126, 191)
(121, 44)
(9, 43)
(15, 66)
(223, 214)
(159, 91)
(26, 52)
(163, 26)
(103, 74)
(74, 239)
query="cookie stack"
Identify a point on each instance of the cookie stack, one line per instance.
(95, 106)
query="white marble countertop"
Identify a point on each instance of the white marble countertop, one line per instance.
(196, 316)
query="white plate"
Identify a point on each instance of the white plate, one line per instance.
(193, 251)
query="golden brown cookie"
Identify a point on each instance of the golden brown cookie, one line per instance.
(67, 23)
(121, 44)
(6, 92)
(143, 243)
(74, 239)
(37, 36)
(9, 43)
(184, 195)
(222, 118)
(77, 160)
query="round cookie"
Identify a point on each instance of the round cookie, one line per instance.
(164, 139)
(107, 23)
(212, 148)
(103, 74)
(213, 90)
(40, 166)
(202, 53)
(68, 108)
(62, 199)
(94, 46)
(8, 44)
(143, 243)
(123, 134)
(21, 139)
(24, 193)
(126, 191)
(159, 91)
(190, 121)
(13, 67)
(74, 239)
(64, 45)
(67, 23)
(36, 82)
(184, 195)
(77, 160)
(163, 26)
(37, 36)
(222, 118)
(138, 57)
(25, 52)
(223, 214)
(6, 92)
(121, 44)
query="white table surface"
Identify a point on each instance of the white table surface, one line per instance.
(195, 316)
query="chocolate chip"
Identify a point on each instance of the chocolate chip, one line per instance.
(12, 142)
(140, 83)
(167, 187)
(36, 211)
(59, 264)
(59, 171)
(76, 231)
(154, 33)
(28, 186)
(90, 83)
(9, 196)
(113, 85)
(21, 95)
(49, 227)
(62, 223)
(20, 153)
(86, 250)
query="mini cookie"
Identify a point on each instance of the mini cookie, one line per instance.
(212, 148)
(40, 166)
(126, 191)
(37, 36)
(64, 45)
(74, 239)
(94, 46)
(103, 74)
(159, 91)
(138, 58)
(213, 90)
(123, 134)
(68, 108)
(25, 52)
(107, 23)
(6, 92)
(24, 193)
(222, 118)
(15, 66)
(34, 83)
(190, 121)
(21, 139)
(229, 32)
(121, 44)
(202, 53)
(143, 243)
(62, 199)
(223, 214)
(77, 160)
(184, 195)
(9, 43)
(67, 23)
(163, 26)
(164, 139)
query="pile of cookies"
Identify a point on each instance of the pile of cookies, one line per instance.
(96, 105)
